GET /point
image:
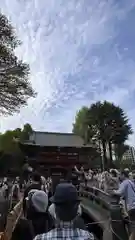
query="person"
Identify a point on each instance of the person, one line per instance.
(75, 181)
(88, 177)
(43, 183)
(36, 218)
(112, 180)
(16, 191)
(36, 184)
(80, 173)
(4, 189)
(51, 210)
(127, 191)
(66, 203)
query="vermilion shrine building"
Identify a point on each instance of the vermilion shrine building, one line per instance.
(49, 150)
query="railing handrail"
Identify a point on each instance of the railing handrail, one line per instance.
(100, 196)
(12, 220)
(111, 204)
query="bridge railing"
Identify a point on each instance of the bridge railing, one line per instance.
(12, 220)
(98, 196)
(112, 206)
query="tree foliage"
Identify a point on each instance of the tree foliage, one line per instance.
(80, 127)
(107, 124)
(15, 88)
(120, 149)
(10, 153)
(26, 131)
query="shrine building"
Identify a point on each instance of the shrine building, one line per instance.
(53, 150)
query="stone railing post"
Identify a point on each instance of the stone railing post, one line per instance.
(116, 222)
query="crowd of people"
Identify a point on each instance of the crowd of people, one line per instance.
(114, 182)
(55, 213)
(50, 216)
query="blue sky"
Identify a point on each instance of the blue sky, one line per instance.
(79, 51)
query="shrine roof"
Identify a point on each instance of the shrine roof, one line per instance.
(53, 139)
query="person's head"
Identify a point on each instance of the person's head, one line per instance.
(43, 180)
(130, 175)
(113, 172)
(126, 170)
(124, 175)
(36, 177)
(90, 171)
(106, 173)
(36, 203)
(74, 178)
(82, 169)
(66, 201)
(133, 176)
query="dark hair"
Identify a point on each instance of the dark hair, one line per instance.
(113, 172)
(36, 177)
(66, 211)
(125, 173)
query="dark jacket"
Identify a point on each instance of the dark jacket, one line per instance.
(28, 229)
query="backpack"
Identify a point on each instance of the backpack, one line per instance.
(48, 224)
(31, 229)
(23, 230)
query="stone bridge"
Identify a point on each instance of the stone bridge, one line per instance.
(103, 214)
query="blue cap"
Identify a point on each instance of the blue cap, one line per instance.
(65, 193)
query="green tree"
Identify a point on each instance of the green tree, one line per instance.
(119, 152)
(108, 125)
(7, 139)
(80, 127)
(26, 131)
(126, 163)
(7, 144)
(6, 162)
(15, 87)
(10, 153)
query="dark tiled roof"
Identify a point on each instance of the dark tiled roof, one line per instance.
(57, 139)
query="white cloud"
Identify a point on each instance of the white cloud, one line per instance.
(76, 57)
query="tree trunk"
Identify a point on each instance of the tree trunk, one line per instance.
(101, 156)
(115, 152)
(110, 154)
(104, 153)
